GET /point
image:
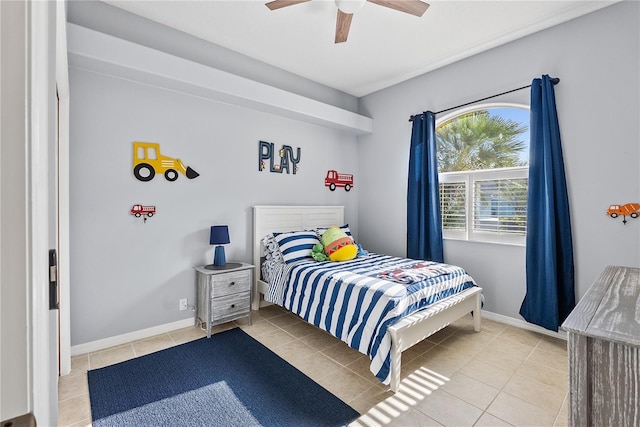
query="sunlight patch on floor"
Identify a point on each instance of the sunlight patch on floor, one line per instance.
(215, 401)
(416, 387)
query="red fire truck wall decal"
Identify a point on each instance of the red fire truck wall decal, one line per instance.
(145, 212)
(335, 179)
(629, 209)
(288, 162)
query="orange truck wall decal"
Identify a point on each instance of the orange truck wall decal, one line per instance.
(629, 209)
(147, 161)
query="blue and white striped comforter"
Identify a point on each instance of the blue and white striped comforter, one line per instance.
(357, 300)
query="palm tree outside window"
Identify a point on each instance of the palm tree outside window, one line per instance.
(483, 162)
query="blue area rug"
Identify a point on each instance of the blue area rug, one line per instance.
(229, 379)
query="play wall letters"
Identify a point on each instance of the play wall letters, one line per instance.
(288, 161)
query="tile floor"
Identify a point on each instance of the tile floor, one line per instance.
(501, 376)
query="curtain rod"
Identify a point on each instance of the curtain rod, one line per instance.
(554, 80)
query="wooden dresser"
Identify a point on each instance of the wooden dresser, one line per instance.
(604, 351)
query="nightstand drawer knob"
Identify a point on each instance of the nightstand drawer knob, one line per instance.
(232, 283)
(233, 306)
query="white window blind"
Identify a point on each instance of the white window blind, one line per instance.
(500, 205)
(453, 205)
(485, 205)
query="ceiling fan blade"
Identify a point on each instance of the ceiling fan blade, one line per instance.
(343, 23)
(277, 4)
(414, 7)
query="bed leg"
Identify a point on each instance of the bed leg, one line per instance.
(476, 313)
(255, 299)
(396, 363)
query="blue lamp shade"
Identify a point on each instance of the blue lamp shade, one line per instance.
(219, 236)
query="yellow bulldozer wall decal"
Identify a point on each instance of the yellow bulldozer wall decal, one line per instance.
(148, 161)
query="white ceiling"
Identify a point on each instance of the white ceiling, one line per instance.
(384, 47)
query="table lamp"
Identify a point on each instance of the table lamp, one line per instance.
(219, 236)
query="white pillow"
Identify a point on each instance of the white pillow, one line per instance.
(271, 248)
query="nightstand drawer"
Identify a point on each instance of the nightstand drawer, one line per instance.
(230, 306)
(226, 284)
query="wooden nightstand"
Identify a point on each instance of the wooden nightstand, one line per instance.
(224, 294)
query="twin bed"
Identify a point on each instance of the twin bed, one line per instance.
(378, 304)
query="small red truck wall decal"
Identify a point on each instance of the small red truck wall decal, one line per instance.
(335, 179)
(629, 209)
(139, 210)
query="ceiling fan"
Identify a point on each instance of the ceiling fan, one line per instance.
(346, 9)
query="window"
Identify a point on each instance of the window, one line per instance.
(483, 172)
(147, 153)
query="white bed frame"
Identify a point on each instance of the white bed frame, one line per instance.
(404, 333)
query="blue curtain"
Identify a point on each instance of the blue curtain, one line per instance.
(549, 253)
(424, 224)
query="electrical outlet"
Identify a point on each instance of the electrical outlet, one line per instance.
(183, 304)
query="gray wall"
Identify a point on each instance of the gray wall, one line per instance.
(597, 58)
(127, 275)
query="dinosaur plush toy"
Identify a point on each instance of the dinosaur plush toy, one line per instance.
(317, 252)
(337, 245)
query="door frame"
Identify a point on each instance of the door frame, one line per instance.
(44, 376)
(62, 84)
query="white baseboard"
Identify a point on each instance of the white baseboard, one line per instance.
(131, 336)
(519, 323)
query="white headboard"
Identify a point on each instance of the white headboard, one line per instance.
(269, 219)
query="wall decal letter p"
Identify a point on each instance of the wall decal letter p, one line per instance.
(265, 151)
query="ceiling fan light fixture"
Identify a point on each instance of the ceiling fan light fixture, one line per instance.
(350, 6)
(346, 9)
